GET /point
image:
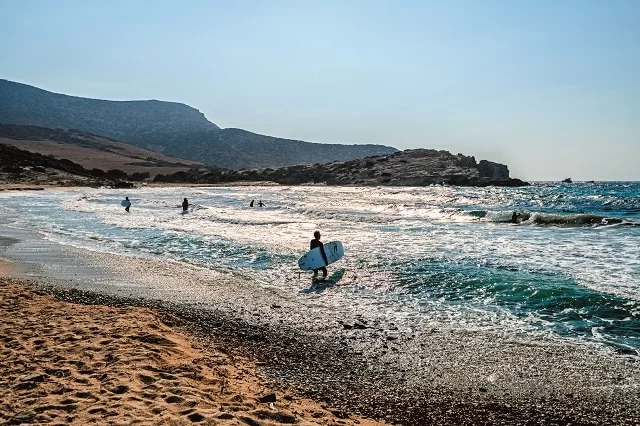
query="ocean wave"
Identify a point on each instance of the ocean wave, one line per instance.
(572, 219)
(549, 219)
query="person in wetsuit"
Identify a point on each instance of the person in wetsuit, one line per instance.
(185, 205)
(127, 205)
(317, 243)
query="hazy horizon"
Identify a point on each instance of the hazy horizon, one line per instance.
(548, 88)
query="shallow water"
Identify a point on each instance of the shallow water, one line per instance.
(569, 267)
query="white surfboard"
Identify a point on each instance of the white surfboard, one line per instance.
(313, 259)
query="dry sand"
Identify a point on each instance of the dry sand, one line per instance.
(64, 363)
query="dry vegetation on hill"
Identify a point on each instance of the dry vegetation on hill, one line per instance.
(89, 151)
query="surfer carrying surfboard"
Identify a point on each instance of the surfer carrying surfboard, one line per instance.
(126, 204)
(317, 243)
(320, 255)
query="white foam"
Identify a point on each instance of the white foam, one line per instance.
(381, 228)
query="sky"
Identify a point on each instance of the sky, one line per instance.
(549, 87)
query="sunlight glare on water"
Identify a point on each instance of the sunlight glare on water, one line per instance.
(434, 253)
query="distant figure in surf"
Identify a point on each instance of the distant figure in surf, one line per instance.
(514, 217)
(260, 203)
(317, 243)
(127, 205)
(185, 205)
(251, 203)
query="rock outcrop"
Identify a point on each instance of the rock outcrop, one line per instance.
(493, 170)
(417, 167)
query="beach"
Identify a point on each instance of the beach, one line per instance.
(88, 355)
(127, 334)
(65, 363)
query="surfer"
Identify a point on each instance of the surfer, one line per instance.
(514, 217)
(185, 205)
(260, 203)
(251, 203)
(127, 204)
(317, 243)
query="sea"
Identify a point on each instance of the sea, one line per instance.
(567, 268)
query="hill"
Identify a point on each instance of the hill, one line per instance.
(91, 151)
(24, 104)
(167, 127)
(20, 168)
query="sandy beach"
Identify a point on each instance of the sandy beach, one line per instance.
(64, 363)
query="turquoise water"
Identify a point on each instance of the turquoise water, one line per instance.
(569, 268)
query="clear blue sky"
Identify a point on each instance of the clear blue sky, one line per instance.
(550, 88)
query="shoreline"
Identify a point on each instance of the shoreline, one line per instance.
(430, 375)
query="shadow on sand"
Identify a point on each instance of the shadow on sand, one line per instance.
(319, 284)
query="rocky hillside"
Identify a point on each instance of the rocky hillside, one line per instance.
(418, 167)
(167, 127)
(91, 151)
(19, 167)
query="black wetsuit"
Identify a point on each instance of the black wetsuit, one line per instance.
(317, 243)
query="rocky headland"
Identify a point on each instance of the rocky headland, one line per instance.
(416, 167)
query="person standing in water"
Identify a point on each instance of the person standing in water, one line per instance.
(260, 203)
(127, 204)
(317, 243)
(185, 205)
(251, 203)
